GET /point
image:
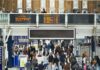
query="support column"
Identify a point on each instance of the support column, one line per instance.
(3, 49)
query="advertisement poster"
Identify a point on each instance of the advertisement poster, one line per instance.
(23, 60)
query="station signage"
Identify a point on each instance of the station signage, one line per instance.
(23, 18)
(21, 40)
(81, 19)
(52, 18)
(51, 34)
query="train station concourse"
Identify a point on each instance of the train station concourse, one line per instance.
(49, 34)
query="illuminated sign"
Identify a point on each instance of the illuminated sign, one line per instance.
(52, 19)
(22, 18)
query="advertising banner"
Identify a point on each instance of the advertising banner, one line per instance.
(21, 40)
(23, 60)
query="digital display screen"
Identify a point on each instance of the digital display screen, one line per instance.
(51, 34)
(51, 18)
(81, 19)
(22, 18)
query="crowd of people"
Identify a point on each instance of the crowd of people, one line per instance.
(54, 55)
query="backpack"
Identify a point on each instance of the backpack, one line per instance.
(73, 60)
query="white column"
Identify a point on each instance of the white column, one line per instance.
(28, 4)
(61, 6)
(43, 4)
(52, 6)
(4, 35)
(84, 4)
(19, 6)
(75, 4)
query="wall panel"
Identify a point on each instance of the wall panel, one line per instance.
(68, 5)
(56, 6)
(24, 5)
(48, 6)
(36, 5)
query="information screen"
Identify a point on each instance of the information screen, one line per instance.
(82, 19)
(51, 34)
(23, 18)
(52, 19)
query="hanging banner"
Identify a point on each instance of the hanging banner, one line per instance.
(23, 18)
(21, 40)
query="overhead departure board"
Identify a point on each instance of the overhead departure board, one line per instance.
(81, 19)
(51, 18)
(46, 34)
(23, 18)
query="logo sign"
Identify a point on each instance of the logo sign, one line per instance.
(22, 18)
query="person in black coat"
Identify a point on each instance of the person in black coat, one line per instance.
(41, 66)
(43, 11)
(50, 58)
